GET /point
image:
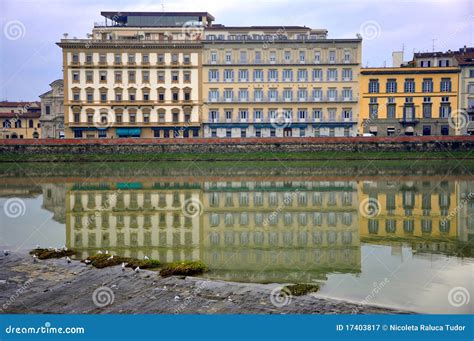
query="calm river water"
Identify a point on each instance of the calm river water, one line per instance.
(391, 237)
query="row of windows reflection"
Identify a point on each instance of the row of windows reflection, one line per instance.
(286, 238)
(408, 226)
(106, 220)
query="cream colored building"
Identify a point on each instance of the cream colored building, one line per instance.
(138, 77)
(20, 120)
(263, 81)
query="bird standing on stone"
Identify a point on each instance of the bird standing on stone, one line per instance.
(6, 252)
(137, 269)
(111, 257)
(100, 252)
(35, 258)
(68, 260)
(123, 266)
(146, 258)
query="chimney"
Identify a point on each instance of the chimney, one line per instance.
(397, 58)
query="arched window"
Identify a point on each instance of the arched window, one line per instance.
(6, 124)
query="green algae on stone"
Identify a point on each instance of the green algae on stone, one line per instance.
(143, 263)
(102, 260)
(42, 253)
(186, 268)
(300, 289)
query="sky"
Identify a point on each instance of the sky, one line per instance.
(30, 60)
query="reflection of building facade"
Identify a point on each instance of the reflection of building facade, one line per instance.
(419, 212)
(281, 230)
(54, 199)
(134, 219)
(465, 212)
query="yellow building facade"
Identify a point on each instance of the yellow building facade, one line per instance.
(409, 101)
(20, 120)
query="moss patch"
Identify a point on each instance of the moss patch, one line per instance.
(143, 263)
(103, 260)
(300, 289)
(51, 253)
(186, 268)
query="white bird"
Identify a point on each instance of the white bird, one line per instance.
(35, 258)
(111, 257)
(68, 260)
(177, 298)
(56, 249)
(6, 252)
(137, 269)
(87, 261)
(100, 252)
(106, 252)
(123, 266)
(64, 248)
(146, 258)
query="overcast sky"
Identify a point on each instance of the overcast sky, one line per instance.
(30, 60)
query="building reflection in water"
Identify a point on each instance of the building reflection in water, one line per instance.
(268, 231)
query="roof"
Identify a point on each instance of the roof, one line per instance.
(26, 114)
(8, 104)
(242, 28)
(465, 59)
(407, 70)
(115, 14)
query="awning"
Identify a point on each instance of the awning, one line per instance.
(409, 130)
(391, 128)
(133, 132)
(373, 129)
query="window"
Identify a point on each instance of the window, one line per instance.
(346, 74)
(445, 85)
(391, 86)
(175, 76)
(118, 58)
(257, 115)
(161, 58)
(258, 75)
(287, 75)
(346, 114)
(89, 76)
(302, 57)
(186, 59)
(47, 109)
(228, 75)
(131, 76)
(273, 75)
(272, 57)
(332, 56)
(332, 94)
(258, 57)
(287, 56)
(427, 107)
(425, 63)
(302, 95)
(228, 95)
(213, 95)
(317, 57)
(243, 115)
(287, 95)
(90, 97)
(174, 58)
(258, 95)
(427, 85)
(131, 58)
(228, 132)
(118, 76)
(332, 115)
(317, 75)
(103, 97)
(75, 76)
(228, 115)
(373, 108)
(76, 96)
(213, 116)
(302, 75)
(213, 75)
(409, 85)
(391, 110)
(444, 110)
(187, 77)
(228, 57)
(317, 94)
(145, 58)
(243, 57)
(75, 58)
(317, 114)
(332, 74)
(89, 58)
(302, 115)
(273, 95)
(347, 94)
(373, 86)
(443, 63)
(347, 56)
(243, 75)
(161, 76)
(243, 95)
(146, 76)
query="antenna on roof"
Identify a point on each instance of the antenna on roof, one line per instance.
(162, 7)
(433, 40)
(65, 35)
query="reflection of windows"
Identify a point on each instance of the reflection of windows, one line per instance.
(229, 219)
(373, 226)
(347, 218)
(273, 238)
(317, 199)
(303, 219)
(258, 238)
(258, 199)
(332, 219)
(317, 237)
(288, 219)
(317, 219)
(390, 225)
(258, 219)
(408, 226)
(244, 199)
(332, 237)
(214, 199)
(426, 226)
(214, 219)
(244, 218)
(444, 226)
(346, 237)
